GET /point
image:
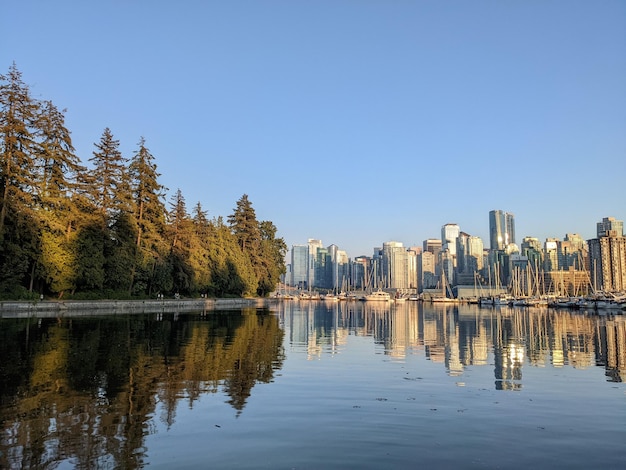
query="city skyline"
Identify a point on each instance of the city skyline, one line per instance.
(592, 230)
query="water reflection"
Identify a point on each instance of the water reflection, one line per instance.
(458, 336)
(86, 389)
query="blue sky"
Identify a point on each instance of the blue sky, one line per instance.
(354, 122)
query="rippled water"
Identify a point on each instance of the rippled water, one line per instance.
(315, 385)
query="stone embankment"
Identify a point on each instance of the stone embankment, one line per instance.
(11, 309)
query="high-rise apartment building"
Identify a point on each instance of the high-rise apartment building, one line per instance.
(469, 254)
(426, 270)
(607, 257)
(395, 265)
(501, 229)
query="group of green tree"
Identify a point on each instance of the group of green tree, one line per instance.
(106, 230)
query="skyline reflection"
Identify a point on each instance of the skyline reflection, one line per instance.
(90, 390)
(458, 336)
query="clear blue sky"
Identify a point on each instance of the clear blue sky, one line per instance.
(352, 121)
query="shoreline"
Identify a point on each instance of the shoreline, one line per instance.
(17, 309)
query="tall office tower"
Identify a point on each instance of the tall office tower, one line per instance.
(314, 245)
(412, 276)
(449, 234)
(334, 266)
(323, 269)
(341, 273)
(501, 229)
(299, 266)
(469, 253)
(607, 261)
(426, 270)
(394, 265)
(609, 223)
(376, 277)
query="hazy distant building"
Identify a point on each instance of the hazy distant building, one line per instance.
(551, 255)
(449, 234)
(360, 272)
(501, 229)
(469, 254)
(609, 223)
(432, 245)
(337, 268)
(572, 252)
(531, 248)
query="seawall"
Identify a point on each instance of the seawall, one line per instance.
(16, 309)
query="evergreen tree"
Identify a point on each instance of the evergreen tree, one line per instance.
(59, 174)
(200, 245)
(245, 226)
(150, 215)
(18, 117)
(19, 231)
(180, 227)
(110, 185)
(273, 251)
(231, 270)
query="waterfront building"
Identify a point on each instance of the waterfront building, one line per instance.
(501, 229)
(360, 269)
(340, 267)
(607, 261)
(322, 268)
(427, 278)
(314, 245)
(412, 270)
(394, 265)
(299, 266)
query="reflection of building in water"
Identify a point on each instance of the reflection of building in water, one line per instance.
(434, 344)
(459, 336)
(508, 354)
(616, 349)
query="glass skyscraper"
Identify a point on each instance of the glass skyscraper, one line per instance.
(501, 229)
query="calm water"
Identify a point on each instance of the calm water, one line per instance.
(314, 385)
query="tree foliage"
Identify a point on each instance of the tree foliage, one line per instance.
(104, 230)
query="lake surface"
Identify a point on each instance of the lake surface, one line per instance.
(311, 385)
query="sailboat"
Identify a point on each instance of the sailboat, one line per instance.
(443, 298)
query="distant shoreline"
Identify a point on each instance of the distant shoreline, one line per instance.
(17, 309)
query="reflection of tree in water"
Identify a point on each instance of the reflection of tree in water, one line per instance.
(86, 389)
